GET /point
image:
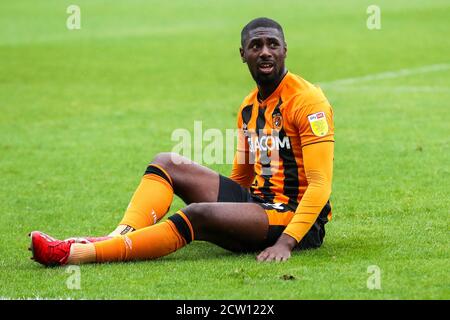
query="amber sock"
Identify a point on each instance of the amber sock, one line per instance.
(147, 243)
(151, 200)
(81, 253)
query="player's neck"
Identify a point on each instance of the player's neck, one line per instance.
(266, 89)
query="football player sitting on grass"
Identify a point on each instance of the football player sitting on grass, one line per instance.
(276, 198)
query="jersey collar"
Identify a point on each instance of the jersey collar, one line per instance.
(275, 93)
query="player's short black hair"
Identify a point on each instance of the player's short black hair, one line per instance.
(259, 23)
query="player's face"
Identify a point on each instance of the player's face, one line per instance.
(264, 52)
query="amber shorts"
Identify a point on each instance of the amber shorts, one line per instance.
(279, 215)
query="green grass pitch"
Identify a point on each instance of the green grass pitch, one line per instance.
(83, 111)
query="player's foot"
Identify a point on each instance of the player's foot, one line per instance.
(49, 251)
(86, 240)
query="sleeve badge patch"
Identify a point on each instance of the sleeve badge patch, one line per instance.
(318, 122)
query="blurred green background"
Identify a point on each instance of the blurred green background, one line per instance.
(83, 111)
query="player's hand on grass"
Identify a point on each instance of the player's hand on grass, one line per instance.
(280, 251)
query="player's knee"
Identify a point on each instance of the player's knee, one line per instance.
(163, 159)
(198, 214)
(168, 160)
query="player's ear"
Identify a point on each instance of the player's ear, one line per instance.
(241, 51)
(285, 50)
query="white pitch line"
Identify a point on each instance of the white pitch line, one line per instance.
(388, 75)
(415, 89)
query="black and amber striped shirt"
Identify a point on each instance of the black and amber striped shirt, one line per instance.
(272, 133)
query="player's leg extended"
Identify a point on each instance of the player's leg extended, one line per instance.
(167, 174)
(239, 227)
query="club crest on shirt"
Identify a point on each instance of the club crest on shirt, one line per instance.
(277, 121)
(318, 122)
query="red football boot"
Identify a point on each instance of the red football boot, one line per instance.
(48, 250)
